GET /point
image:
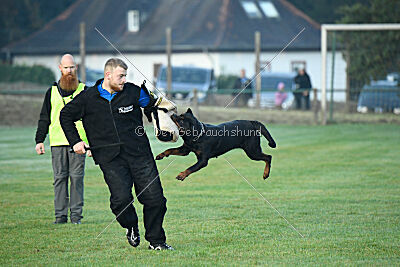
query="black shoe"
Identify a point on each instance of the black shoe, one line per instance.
(60, 220)
(76, 219)
(163, 246)
(133, 236)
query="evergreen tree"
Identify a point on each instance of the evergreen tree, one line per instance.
(20, 18)
(371, 54)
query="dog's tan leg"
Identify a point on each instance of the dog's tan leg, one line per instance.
(181, 176)
(178, 151)
(199, 164)
(267, 168)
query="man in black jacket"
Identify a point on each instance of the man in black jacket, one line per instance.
(112, 118)
(303, 86)
(240, 83)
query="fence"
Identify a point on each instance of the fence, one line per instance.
(371, 100)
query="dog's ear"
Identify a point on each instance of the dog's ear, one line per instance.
(189, 111)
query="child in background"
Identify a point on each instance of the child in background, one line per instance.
(280, 95)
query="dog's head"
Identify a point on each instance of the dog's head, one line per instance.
(189, 127)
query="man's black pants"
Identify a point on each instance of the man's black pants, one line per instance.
(299, 100)
(121, 174)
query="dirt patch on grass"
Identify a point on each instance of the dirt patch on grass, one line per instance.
(25, 110)
(220, 114)
(19, 110)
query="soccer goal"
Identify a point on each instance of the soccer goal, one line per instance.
(360, 66)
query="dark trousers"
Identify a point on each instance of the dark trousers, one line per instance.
(307, 101)
(241, 99)
(126, 171)
(299, 97)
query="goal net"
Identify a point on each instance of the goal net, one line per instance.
(360, 68)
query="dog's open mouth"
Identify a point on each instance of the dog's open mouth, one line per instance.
(174, 118)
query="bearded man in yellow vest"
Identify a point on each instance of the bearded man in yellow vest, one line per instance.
(65, 164)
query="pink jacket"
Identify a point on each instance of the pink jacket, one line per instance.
(280, 97)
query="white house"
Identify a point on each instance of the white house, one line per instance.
(207, 33)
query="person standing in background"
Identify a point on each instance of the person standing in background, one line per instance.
(242, 96)
(303, 87)
(65, 164)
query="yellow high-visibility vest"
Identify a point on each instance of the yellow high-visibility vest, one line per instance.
(57, 137)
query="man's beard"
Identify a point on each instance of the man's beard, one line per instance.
(115, 87)
(69, 82)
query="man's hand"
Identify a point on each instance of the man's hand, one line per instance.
(79, 148)
(89, 153)
(40, 148)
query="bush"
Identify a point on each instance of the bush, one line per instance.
(35, 74)
(226, 81)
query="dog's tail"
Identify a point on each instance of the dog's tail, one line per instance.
(259, 126)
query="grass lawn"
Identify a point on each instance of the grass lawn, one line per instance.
(338, 185)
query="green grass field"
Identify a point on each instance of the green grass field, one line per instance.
(339, 185)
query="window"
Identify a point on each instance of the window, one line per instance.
(296, 65)
(133, 20)
(269, 9)
(251, 9)
(265, 65)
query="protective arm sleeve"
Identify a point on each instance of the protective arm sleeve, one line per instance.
(151, 101)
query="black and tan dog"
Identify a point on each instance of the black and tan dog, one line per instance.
(210, 141)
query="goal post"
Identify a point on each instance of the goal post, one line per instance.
(325, 28)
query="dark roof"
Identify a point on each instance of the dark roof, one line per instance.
(213, 25)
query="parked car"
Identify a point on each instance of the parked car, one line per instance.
(380, 96)
(92, 76)
(184, 80)
(269, 85)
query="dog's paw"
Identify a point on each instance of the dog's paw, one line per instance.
(160, 156)
(181, 176)
(272, 144)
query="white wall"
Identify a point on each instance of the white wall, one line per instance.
(231, 63)
(223, 63)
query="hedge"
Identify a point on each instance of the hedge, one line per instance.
(35, 74)
(226, 81)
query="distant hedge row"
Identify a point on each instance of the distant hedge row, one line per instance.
(35, 74)
(226, 81)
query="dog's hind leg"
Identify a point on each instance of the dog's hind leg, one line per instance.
(178, 151)
(256, 154)
(267, 168)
